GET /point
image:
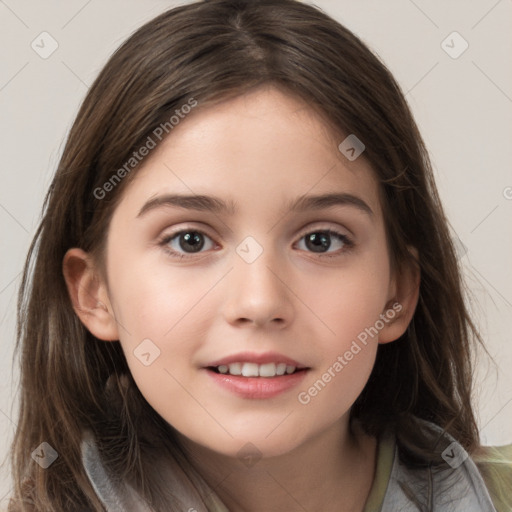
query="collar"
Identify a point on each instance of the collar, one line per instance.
(455, 485)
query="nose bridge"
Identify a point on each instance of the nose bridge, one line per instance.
(257, 288)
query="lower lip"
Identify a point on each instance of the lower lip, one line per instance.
(257, 387)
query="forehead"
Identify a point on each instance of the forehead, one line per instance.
(262, 149)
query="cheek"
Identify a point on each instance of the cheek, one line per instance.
(347, 301)
(163, 316)
(349, 305)
(151, 299)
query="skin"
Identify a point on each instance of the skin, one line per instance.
(259, 150)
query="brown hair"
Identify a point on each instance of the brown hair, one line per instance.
(212, 51)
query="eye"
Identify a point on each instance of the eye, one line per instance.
(188, 240)
(320, 241)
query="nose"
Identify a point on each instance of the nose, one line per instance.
(259, 293)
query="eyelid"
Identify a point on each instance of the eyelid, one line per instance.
(313, 226)
(200, 228)
(325, 226)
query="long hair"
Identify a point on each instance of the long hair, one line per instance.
(212, 51)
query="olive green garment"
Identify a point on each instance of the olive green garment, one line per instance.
(485, 483)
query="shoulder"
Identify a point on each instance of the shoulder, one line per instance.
(440, 473)
(495, 466)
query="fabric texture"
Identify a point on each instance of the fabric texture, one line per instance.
(482, 483)
(495, 465)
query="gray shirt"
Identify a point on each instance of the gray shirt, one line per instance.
(453, 486)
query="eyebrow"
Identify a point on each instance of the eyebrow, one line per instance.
(217, 205)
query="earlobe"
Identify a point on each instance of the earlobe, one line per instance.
(88, 294)
(401, 306)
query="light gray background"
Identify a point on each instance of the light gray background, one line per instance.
(463, 107)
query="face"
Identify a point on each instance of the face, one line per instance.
(274, 282)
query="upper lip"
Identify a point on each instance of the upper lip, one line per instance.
(253, 357)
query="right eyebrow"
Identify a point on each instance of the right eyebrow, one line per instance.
(190, 202)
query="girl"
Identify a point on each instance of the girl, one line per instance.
(243, 294)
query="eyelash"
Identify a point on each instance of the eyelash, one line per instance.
(347, 243)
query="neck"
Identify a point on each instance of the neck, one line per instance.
(332, 470)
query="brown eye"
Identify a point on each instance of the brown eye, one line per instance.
(321, 241)
(186, 241)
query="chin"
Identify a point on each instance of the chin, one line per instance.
(250, 448)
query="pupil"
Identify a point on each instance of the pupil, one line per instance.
(195, 241)
(318, 240)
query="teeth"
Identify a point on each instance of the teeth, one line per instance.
(268, 370)
(281, 368)
(250, 370)
(235, 369)
(256, 370)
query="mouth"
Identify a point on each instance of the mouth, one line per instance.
(264, 376)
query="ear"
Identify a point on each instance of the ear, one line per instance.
(402, 300)
(89, 295)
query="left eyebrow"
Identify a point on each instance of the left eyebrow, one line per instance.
(319, 202)
(219, 206)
